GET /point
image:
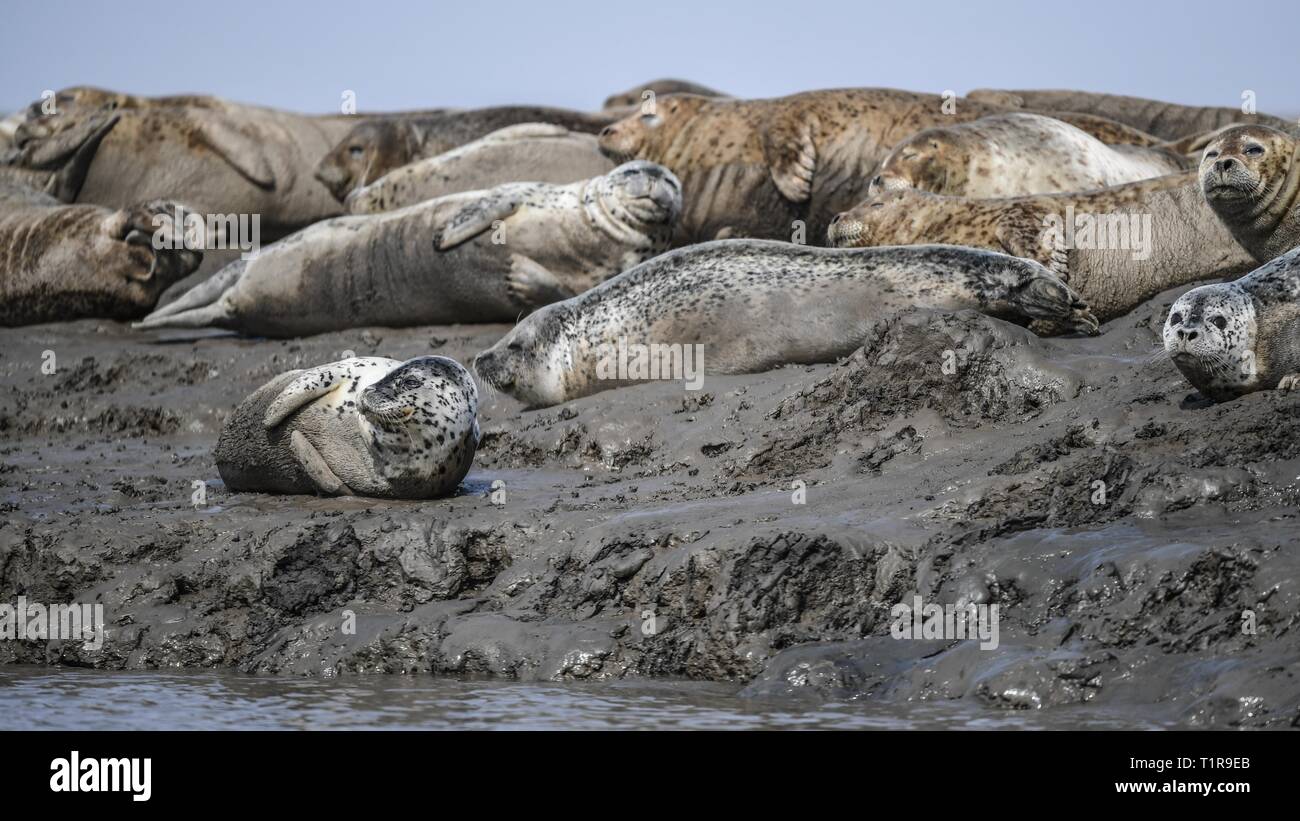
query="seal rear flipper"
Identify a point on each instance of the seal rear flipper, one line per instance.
(791, 155)
(1042, 296)
(313, 464)
(475, 218)
(216, 315)
(533, 285)
(205, 293)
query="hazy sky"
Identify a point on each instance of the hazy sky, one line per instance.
(419, 54)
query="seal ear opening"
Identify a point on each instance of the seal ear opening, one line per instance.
(240, 151)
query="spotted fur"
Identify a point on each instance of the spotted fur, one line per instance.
(1251, 178)
(1188, 243)
(1008, 155)
(365, 426)
(1238, 337)
(759, 304)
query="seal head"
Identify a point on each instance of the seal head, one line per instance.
(1250, 176)
(369, 151)
(1210, 336)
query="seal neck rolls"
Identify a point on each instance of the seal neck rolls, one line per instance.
(636, 204)
(1250, 176)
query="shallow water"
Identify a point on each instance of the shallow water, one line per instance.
(37, 698)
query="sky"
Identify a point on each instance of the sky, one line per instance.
(396, 55)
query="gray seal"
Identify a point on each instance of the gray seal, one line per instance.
(480, 256)
(532, 152)
(1234, 338)
(367, 426)
(758, 304)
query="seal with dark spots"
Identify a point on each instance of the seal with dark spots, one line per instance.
(1234, 338)
(1117, 246)
(754, 305)
(366, 426)
(636, 95)
(479, 256)
(1008, 155)
(373, 148)
(61, 262)
(533, 152)
(1168, 121)
(1250, 175)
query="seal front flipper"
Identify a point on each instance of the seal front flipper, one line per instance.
(310, 384)
(475, 218)
(1021, 233)
(1290, 382)
(242, 152)
(533, 285)
(313, 464)
(791, 155)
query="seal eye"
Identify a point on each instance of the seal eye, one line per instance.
(1219, 322)
(1176, 319)
(1211, 154)
(1255, 150)
(356, 151)
(514, 346)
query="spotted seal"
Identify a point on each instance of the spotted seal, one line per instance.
(758, 304)
(1250, 176)
(366, 426)
(1233, 338)
(1008, 155)
(479, 256)
(1117, 246)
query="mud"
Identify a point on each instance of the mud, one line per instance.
(651, 531)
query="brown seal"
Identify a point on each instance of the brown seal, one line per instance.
(751, 168)
(1168, 121)
(1117, 247)
(1251, 178)
(60, 262)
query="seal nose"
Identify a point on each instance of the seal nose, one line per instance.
(607, 131)
(836, 220)
(1225, 164)
(1187, 336)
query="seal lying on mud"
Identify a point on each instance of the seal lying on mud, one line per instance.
(360, 427)
(371, 149)
(535, 152)
(1251, 178)
(1169, 121)
(1009, 155)
(61, 262)
(755, 305)
(1233, 338)
(1117, 247)
(480, 256)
